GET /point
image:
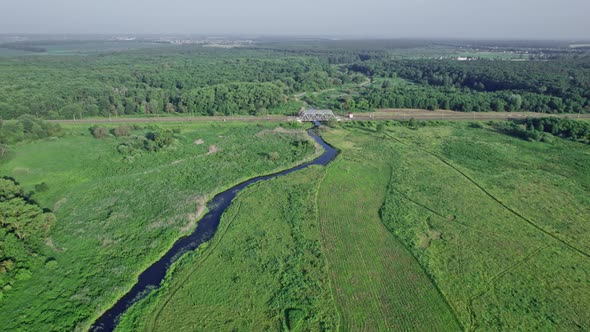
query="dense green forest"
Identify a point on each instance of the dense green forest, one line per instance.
(555, 86)
(267, 78)
(198, 81)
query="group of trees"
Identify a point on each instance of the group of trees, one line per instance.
(233, 98)
(26, 127)
(549, 87)
(23, 227)
(156, 81)
(544, 128)
(135, 145)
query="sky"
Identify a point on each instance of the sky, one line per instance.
(485, 19)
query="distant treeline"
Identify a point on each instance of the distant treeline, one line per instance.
(23, 47)
(559, 86)
(257, 80)
(230, 81)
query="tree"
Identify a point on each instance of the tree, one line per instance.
(170, 108)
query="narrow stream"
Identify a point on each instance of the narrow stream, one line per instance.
(206, 228)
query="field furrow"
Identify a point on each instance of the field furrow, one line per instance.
(378, 283)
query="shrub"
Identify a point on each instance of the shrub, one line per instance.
(41, 187)
(99, 132)
(4, 150)
(273, 156)
(121, 131)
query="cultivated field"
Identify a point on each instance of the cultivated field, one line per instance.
(378, 284)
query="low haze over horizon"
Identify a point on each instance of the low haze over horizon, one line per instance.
(542, 19)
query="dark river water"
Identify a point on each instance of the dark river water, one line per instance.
(206, 228)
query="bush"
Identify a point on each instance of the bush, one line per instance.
(153, 141)
(4, 150)
(121, 131)
(99, 132)
(547, 138)
(41, 187)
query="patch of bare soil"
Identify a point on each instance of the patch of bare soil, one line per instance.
(212, 149)
(59, 203)
(201, 203)
(199, 141)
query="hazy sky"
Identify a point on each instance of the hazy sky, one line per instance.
(539, 19)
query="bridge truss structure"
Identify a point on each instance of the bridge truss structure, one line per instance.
(312, 115)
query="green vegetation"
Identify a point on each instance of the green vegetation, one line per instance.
(474, 86)
(378, 285)
(415, 226)
(27, 128)
(114, 218)
(498, 223)
(195, 80)
(545, 128)
(264, 269)
(267, 78)
(23, 226)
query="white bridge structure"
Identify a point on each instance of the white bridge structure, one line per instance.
(311, 115)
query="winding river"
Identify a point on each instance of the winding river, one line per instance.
(206, 228)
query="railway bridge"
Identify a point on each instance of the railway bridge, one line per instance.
(311, 115)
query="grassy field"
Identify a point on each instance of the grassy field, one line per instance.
(264, 269)
(444, 226)
(116, 217)
(498, 223)
(378, 284)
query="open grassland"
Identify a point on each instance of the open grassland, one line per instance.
(499, 224)
(378, 284)
(116, 215)
(263, 270)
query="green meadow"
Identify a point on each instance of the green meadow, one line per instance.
(499, 224)
(116, 215)
(414, 226)
(421, 226)
(264, 269)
